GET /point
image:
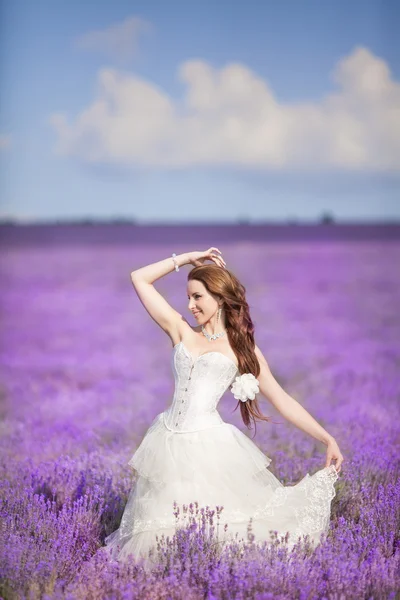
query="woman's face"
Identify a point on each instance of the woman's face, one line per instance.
(201, 303)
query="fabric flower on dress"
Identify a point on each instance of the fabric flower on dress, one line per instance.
(245, 387)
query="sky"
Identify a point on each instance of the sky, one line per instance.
(208, 111)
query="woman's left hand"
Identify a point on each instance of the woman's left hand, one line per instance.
(333, 453)
(198, 258)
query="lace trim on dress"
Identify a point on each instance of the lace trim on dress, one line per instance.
(312, 517)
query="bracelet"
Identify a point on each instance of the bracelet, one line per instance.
(175, 263)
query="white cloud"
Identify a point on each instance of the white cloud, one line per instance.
(5, 141)
(232, 117)
(120, 41)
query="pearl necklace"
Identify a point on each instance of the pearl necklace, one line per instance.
(214, 336)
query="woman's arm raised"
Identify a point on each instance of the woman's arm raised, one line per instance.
(158, 308)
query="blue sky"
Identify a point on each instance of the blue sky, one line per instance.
(203, 111)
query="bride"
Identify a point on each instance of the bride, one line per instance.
(189, 454)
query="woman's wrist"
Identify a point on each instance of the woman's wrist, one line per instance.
(180, 260)
(328, 439)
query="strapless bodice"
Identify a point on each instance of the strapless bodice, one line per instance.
(199, 385)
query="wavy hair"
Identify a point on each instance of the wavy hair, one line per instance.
(240, 329)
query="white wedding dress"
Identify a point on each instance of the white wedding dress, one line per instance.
(190, 454)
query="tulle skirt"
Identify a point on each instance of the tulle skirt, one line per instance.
(215, 467)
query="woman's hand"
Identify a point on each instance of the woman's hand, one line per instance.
(333, 453)
(197, 258)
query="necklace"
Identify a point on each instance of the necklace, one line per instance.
(214, 336)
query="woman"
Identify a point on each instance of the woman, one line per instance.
(189, 454)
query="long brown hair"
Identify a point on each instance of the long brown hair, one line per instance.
(239, 326)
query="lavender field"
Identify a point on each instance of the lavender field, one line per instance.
(84, 370)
